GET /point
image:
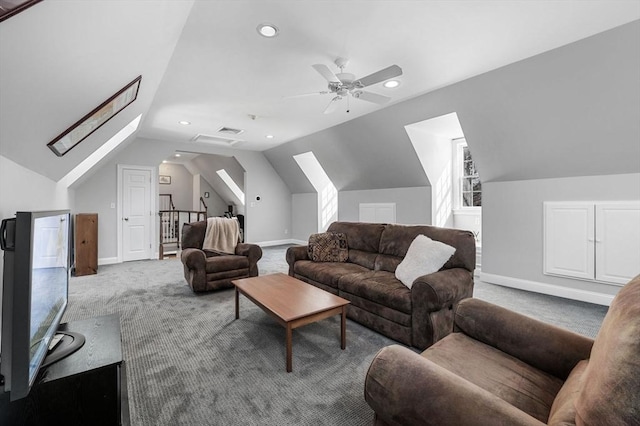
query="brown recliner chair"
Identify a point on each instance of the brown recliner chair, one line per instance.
(503, 368)
(206, 270)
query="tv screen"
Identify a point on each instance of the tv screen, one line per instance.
(35, 293)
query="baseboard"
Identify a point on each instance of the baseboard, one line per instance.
(107, 261)
(550, 289)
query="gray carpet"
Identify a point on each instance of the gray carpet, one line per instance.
(189, 362)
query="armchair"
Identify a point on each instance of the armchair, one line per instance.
(206, 270)
(502, 368)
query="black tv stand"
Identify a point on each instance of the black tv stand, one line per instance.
(87, 387)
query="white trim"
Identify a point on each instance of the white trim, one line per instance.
(107, 261)
(550, 289)
(300, 242)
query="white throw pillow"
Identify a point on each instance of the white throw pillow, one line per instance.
(424, 256)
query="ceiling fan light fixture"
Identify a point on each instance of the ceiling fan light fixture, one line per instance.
(391, 84)
(267, 30)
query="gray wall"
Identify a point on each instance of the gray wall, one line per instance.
(264, 222)
(304, 215)
(181, 186)
(413, 205)
(24, 190)
(216, 206)
(512, 222)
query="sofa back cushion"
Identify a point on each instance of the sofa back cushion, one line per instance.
(396, 239)
(611, 395)
(193, 234)
(363, 240)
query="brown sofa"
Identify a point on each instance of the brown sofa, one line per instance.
(205, 270)
(503, 368)
(418, 316)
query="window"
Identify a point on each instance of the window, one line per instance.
(470, 185)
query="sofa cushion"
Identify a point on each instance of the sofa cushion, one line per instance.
(612, 396)
(328, 247)
(563, 410)
(396, 239)
(379, 287)
(521, 385)
(424, 257)
(360, 236)
(362, 258)
(326, 272)
(226, 263)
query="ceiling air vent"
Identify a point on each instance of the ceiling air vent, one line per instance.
(229, 130)
(214, 140)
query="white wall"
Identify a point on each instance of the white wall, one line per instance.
(513, 224)
(413, 205)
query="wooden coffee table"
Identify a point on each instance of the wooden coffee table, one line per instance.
(292, 303)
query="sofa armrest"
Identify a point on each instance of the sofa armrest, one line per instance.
(253, 252)
(549, 348)
(433, 300)
(193, 258)
(403, 388)
(295, 253)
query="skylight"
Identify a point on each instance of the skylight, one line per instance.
(231, 184)
(93, 159)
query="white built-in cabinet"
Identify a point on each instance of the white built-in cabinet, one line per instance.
(597, 241)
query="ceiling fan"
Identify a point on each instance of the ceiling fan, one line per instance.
(345, 85)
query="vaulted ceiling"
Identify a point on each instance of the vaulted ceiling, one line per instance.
(204, 62)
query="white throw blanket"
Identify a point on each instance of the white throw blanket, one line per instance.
(222, 234)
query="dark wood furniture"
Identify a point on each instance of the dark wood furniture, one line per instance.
(292, 303)
(86, 388)
(86, 244)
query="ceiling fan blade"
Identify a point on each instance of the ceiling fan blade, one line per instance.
(382, 75)
(371, 97)
(332, 105)
(324, 71)
(323, 92)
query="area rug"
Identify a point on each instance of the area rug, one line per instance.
(189, 362)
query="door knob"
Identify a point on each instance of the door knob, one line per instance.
(126, 218)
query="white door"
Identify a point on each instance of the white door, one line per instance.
(136, 214)
(569, 239)
(617, 242)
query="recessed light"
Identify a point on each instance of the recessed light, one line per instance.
(164, 161)
(177, 155)
(391, 84)
(269, 136)
(267, 30)
(184, 123)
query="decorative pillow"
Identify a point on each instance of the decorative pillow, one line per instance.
(424, 256)
(328, 247)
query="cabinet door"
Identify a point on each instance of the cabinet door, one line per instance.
(569, 239)
(617, 242)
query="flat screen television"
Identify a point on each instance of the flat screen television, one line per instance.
(34, 296)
